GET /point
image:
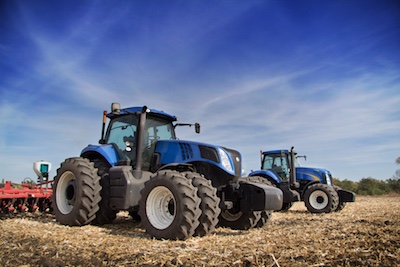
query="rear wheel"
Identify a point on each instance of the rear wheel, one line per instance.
(321, 198)
(105, 214)
(76, 192)
(209, 205)
(169, 206)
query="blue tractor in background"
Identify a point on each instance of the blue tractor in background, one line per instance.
(176, 188)
(312, 185)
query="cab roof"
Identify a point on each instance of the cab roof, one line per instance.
(275, 151)
(155, 112)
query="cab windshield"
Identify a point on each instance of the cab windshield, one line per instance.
(122, 134)
(278, 163)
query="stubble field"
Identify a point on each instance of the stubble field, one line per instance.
(365, 233)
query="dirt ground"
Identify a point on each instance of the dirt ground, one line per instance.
(365, 233)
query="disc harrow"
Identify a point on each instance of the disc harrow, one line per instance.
(25, 197)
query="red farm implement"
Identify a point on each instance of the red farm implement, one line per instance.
(28, 196)
(25, 197)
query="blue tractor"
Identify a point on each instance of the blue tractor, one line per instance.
(176, 188)
(312, 185)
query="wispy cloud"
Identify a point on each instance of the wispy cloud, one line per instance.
(253, 77)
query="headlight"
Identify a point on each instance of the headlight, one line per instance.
(328, 179)
(225, 160)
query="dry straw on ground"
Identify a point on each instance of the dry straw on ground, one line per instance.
(365, 233)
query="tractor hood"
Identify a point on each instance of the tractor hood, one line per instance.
(174, 151)
(314, 174)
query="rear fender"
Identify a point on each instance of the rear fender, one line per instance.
(269, 174)
(106, 151)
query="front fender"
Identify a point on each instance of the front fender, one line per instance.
(106, 151)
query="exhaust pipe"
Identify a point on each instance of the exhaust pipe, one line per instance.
(292, 179)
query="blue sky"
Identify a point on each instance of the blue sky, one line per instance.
(323, 76)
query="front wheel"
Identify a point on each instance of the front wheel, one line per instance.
(265, 215)
(286, 206)
(239, 220)
(209, 205)
(76, 192)
(105, 214)
(321, 198)
(169, 207)
(341, 204)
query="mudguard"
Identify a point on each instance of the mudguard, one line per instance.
(267, 173)
(106, 151)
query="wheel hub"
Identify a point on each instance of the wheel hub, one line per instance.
(161, 207)
(65, 192)
(318, 199)
(70, 192)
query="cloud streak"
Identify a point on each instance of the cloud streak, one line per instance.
(255, 78)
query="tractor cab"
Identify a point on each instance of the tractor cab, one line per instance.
(277, 161)
(135, 131)
(283, 164)
(123, 135)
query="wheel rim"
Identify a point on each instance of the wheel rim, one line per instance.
(318, 199)
(161, 207)
(65, 192)
(231, 217)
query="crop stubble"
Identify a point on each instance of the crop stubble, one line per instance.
(365, 233)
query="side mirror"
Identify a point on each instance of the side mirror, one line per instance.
(115, 108)
(197, 127)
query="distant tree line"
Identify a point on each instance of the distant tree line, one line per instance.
(371, 186)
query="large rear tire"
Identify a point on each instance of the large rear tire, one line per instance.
(105, 214)
(209, 205)
(169, 207)
(321, 198)
(76, 192)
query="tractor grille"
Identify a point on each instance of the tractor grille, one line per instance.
(186, 149)
(210, 153)
(237, 160)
